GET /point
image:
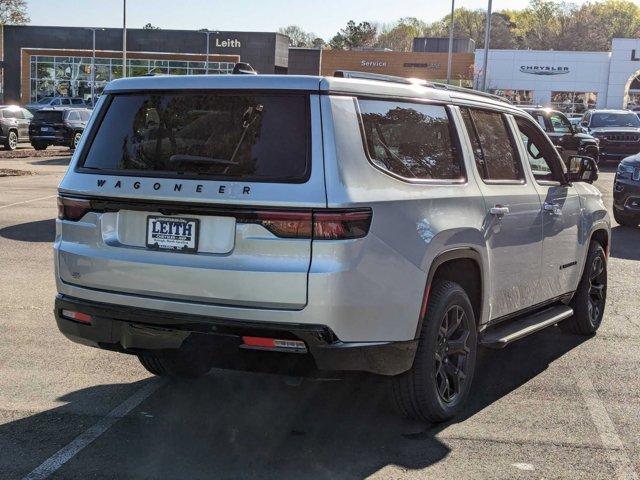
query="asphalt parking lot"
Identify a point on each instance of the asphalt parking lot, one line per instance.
(550, 406)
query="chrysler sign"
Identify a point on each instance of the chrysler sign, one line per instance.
(544, 70)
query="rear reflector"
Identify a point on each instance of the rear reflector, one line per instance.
(72, 209)
(77, 316)
(264, 343)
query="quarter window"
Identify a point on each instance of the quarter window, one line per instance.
(493, 146)
(410, 140)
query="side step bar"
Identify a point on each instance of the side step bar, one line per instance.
(503, 334)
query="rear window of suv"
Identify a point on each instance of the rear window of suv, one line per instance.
(244, 136)
(48, 116)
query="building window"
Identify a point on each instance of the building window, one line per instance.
(517, 97)
(71, 76)
(573, 102)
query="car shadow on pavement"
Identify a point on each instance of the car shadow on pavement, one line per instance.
(242, 425)
(53, 161)
(624, 243)
(41, 231)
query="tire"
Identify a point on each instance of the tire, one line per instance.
(625, 220)
(188, 364)
(39, 146)
(591, 296)
(433, 390)
(75, 140)
(11, 143)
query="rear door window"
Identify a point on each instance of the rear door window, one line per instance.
(493, 146)
(244, 136)
(410, 140)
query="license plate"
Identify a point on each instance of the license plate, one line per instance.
(45, 129)
(173, 234)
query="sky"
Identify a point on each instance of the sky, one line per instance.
(324, 17)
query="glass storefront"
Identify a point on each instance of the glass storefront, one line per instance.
(71, 76)
(573, 102)
(517, 97)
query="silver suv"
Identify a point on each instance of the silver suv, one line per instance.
(369, 224)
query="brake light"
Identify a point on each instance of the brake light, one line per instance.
(319, 225)
(341, 225)
(286, 224)
(72, 209)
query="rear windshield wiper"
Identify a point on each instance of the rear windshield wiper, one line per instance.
(198, 159)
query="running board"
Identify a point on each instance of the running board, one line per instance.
(503, 334)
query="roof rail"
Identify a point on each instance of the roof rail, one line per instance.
(416, 81)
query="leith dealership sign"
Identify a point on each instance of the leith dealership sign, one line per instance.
(228, 43)
(544, 70)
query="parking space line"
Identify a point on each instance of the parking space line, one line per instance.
(67, 452)
(27, 201)
(606, 429)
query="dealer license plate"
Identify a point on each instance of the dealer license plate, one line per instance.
(174, 234)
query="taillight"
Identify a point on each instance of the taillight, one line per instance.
(319, 225)
(341, 225)
(72, 209)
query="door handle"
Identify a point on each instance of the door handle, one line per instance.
(552, 208)
(499, 210)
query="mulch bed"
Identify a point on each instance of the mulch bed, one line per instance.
(9, 172)
(29, 152)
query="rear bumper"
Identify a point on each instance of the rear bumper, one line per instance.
(135, 330)
(50, 139)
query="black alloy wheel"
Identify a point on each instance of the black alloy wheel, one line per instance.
(597, 291)
(451, 354)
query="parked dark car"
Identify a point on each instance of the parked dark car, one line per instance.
(49, 102)
(14, 125)
(568, 139)
(58, 126)
(617, 130)
(626, 192)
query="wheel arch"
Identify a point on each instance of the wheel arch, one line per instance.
(454, 265)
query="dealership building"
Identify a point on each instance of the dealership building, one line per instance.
(570, 81)
(38, 62)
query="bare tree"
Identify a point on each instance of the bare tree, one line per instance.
(13, 12)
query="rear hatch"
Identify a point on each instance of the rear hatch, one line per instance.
(47, 123)
(196, 195)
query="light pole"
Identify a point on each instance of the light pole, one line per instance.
(93, 64)
(124, 38)
(449, 58)
(487, 39)
(207, 34)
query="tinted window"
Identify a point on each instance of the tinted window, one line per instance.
(245, 136)
(559, 123)
(541, 154)
(77, 101)
(55, 101)
(492, 144)
(65, 101)
(614, 120)
(8, 113)
(410, 140)
(73, 116)
(27, 114)
(47, 116)
(84, 116)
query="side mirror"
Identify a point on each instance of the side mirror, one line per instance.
(582, 169)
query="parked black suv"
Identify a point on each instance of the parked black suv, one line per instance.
(14, 125)
(617, 130)
(58, 126)
(568, 139)
(626, 192)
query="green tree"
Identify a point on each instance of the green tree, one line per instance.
(13, 12)
(399, 36)
(360, 35)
